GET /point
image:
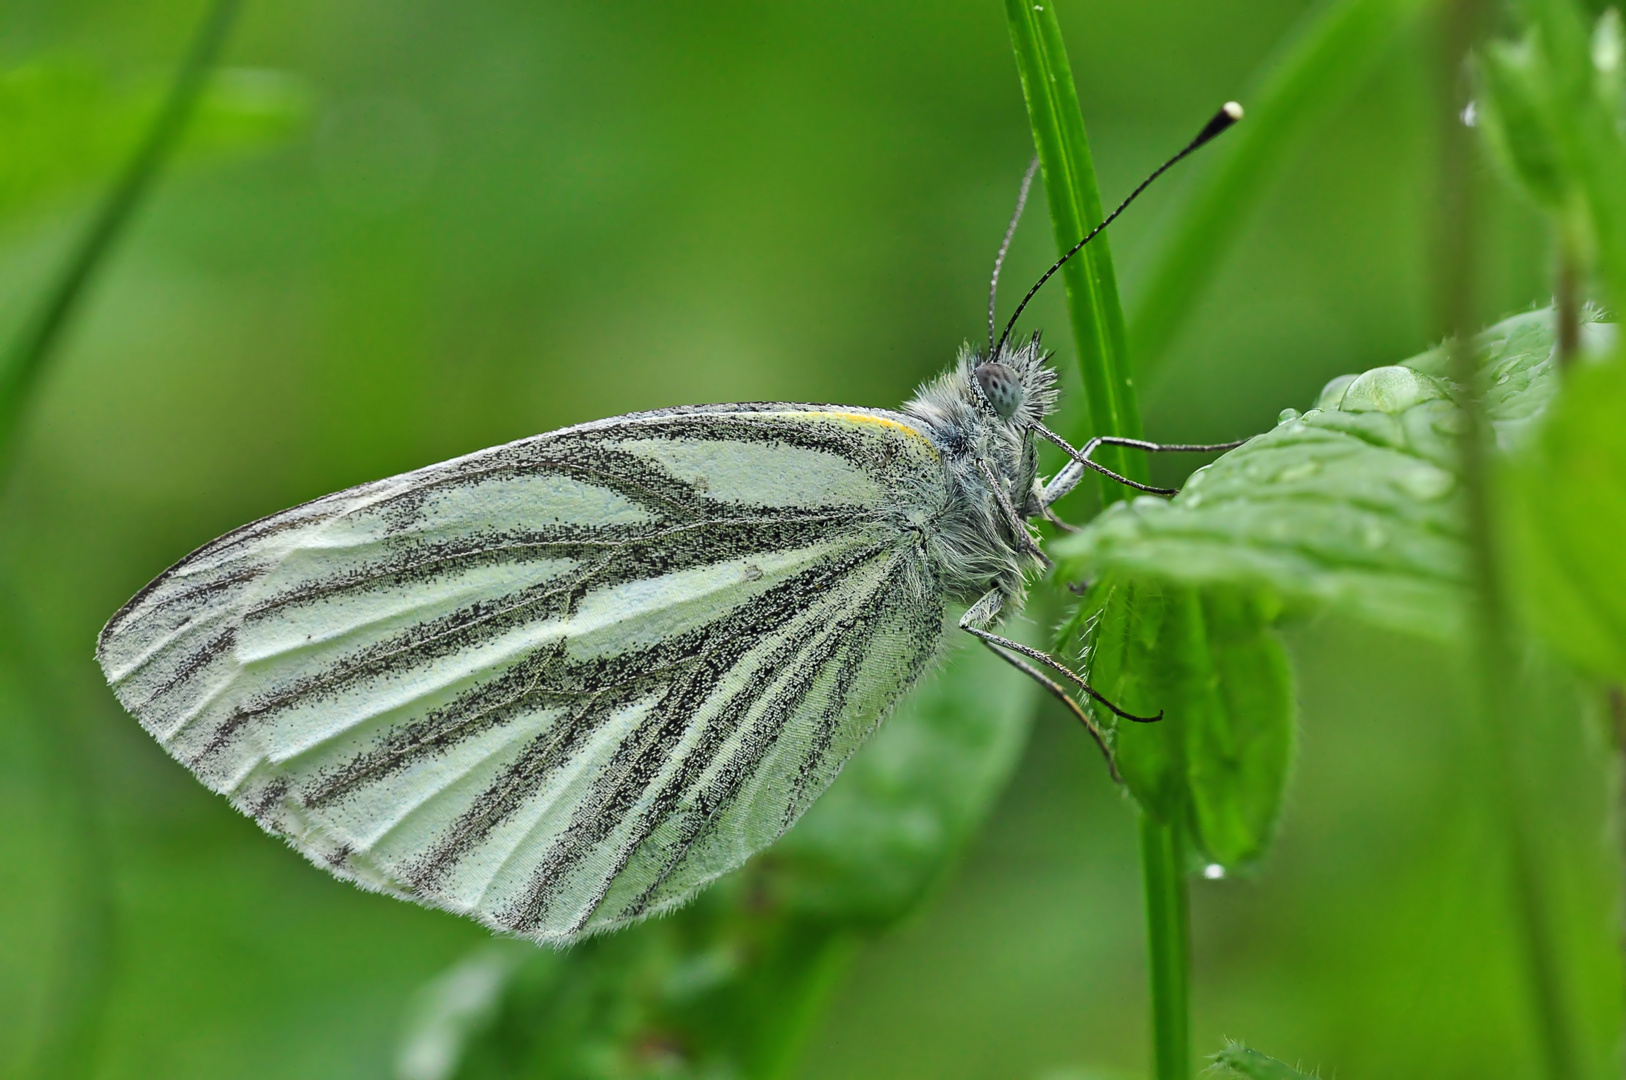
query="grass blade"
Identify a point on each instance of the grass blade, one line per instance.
(1097, 317)
(1093, 305)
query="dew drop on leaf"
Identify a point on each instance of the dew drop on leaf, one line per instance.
(1287, 416)
(1389, 390)
(1333, 392)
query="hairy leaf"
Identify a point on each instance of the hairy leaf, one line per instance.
(1238, 1061)
(1353, 506)
(1217, 762)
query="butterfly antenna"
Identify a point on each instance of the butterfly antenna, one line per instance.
(1228, 114)
(1005, 245)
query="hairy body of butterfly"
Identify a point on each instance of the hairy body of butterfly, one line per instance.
(561, 684)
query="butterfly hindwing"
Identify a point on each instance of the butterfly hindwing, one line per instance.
(561, 684)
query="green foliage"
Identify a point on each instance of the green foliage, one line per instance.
(271, 346)
(1238, 1062)
(1557, 112)
(1556, 115)
(1216, 764)
(66, 124)
(1566, 518)
(724, 989)
(1353, 506)
(1518, 122)
(727, 986)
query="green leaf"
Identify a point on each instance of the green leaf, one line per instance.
(1239, 1061)
(1321, 64)
(722, 989)
(1516, 114)
(1555, 109)
(903, 808)
(67, 125)
(1566, 517)
(1354, 507)
(1217, 762)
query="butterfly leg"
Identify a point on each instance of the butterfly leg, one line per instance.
(1019, 530)
(1050, 516)
(1068, 478)
(983, 613)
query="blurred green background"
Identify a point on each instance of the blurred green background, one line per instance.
(492, 219)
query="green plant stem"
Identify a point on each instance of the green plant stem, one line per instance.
(1493, 654)
(1098, 327)
(1168, 937)
(1567, 299)
(20, 373)
(1093, 306)
(801, 997)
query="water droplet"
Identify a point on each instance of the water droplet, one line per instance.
(1333, 392)
(1287, 416)
(1213, 871)
(1425, 482)
(1390, 390)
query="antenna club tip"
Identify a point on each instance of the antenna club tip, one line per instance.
(1233, 109)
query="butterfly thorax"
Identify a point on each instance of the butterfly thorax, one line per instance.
(979, 416)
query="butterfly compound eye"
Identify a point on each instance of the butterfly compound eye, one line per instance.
(1001, 387)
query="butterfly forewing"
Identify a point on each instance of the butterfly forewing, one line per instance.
(561, 684)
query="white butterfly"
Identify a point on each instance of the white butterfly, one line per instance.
(562, 684)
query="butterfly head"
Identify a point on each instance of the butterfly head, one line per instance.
(1015, 385)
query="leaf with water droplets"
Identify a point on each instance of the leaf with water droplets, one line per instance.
(1354, 506)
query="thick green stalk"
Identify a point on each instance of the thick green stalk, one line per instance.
(1168, 934)
(1093, 306)
(1098, 327)
(21, 370)
(1494, 656)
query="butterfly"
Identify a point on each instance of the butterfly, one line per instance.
(561, 685)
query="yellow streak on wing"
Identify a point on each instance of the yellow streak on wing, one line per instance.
(860, 418)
